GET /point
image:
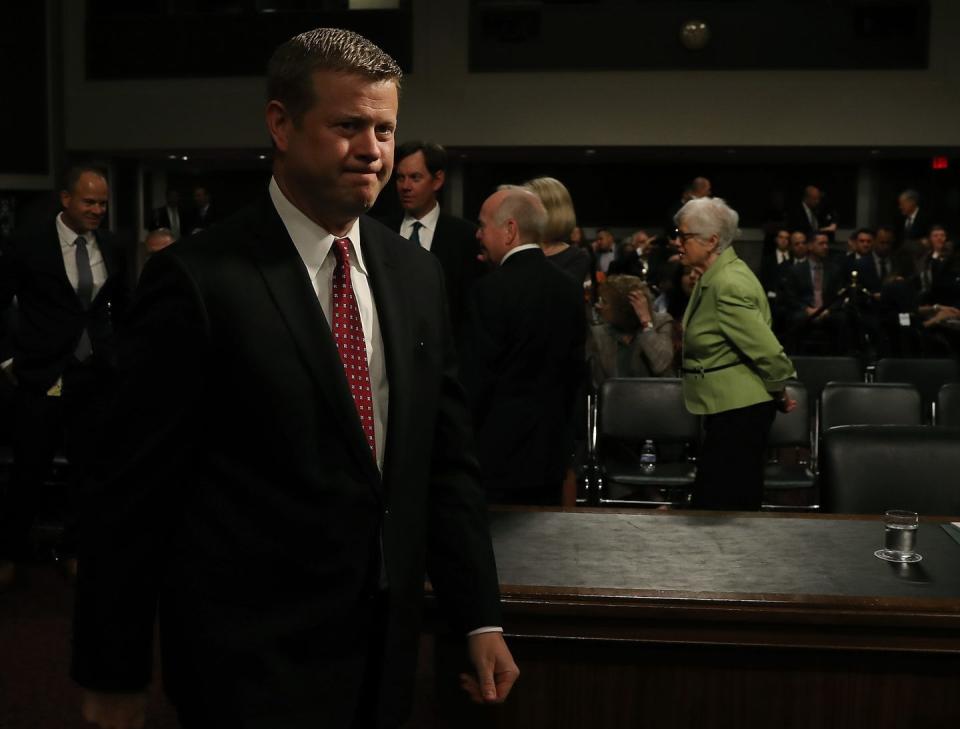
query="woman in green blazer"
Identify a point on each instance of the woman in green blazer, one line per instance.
(734, 369)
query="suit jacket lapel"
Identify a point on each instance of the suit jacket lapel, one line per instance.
(692, 305)
(108, 253)
(292, 291)
(53, 262)
(380, 257)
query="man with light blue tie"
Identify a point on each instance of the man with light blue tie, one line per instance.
(69, 284)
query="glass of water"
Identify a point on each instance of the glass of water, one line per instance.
(900, 536)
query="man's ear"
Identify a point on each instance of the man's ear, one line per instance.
(513, 232)
(65, 198)
(279, 124)
(438, 179)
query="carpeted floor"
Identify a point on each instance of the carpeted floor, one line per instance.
(35, 689)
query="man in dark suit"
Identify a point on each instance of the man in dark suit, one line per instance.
(862, 247)
(295, 451)
(811, 214)
(203, 214)
(525, 355)
(170, 216)
(914, 222)
(809, 290)
(68, 280)
(771, 263)
(421, 174)
(875, 267)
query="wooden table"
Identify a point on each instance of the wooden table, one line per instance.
(683, 619)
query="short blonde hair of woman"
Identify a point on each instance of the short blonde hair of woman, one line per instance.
(561, 218)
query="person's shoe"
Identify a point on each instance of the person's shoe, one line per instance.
(8, 573)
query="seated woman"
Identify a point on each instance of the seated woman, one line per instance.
(673, 299)
(632, 340)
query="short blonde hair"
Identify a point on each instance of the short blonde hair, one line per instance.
(561, 218)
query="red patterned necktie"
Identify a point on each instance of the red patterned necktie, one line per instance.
(348, 334)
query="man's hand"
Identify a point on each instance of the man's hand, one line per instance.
(114, 710)
(495, 670)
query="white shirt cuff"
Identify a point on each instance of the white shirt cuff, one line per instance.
(485, 629)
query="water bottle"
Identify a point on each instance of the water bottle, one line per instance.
(648, 457)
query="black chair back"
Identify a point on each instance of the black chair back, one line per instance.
(869, 469)
(948, 405)
(635, 408)
(793, 428)
(927, 375)
(815, 372)
(869, 404)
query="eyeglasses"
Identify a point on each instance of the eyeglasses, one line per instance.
(683, 237)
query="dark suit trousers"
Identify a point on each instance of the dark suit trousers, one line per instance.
(45, 425)
(730, 470)
(239, 704)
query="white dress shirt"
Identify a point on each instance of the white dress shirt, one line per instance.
(428, 227)
(314, 244)
(68, 247)
(173, 215)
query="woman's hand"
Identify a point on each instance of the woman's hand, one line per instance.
(785, 403)
(641, 307)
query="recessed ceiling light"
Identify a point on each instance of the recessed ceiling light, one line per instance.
(184, 158)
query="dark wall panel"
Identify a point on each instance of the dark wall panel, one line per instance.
(178, 39)
(23, 89)
(743, 34)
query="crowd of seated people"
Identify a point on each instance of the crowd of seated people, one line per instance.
(881, 297)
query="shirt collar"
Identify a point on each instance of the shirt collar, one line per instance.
(312, 241)
(428, 221)
(68, 236)
(523, 247)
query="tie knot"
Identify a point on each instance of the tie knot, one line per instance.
(80, 242)
(417, 225)
(341, 248)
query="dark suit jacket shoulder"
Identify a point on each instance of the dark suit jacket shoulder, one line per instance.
(523, 366)
(455, 247)
(798, 286)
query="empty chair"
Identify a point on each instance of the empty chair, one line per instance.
(631, 410)
(927, 375)
(948, 405)
(791, 430)
(815, 372)
(867, 469)
(869, 404)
